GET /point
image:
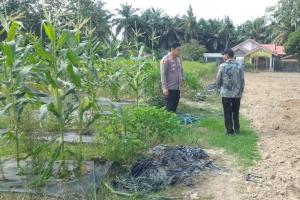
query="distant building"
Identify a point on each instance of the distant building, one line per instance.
(213, 57)
(289, 64)
(262, 56)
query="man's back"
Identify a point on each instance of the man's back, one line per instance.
(230, 79)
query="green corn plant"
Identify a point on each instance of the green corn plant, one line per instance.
(15, 67)
(136, 77)
(83, 100)
(136, 35)
(83, 74)
(112, 75)
(154, 41)
(58, 76)
(70, 79)
(91, 82)
(2, 175)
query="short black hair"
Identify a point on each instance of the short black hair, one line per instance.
(175, 45)
(228, 52)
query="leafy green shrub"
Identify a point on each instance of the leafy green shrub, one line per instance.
(130, 133)
(150, 122)
(192, 51)
(292, 46)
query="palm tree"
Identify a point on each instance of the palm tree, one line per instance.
(256, 29)
(209, 34)
(152, 17)
(189, 25)
(226, 34)
(169, 33)
(126, 20)
(152, 27)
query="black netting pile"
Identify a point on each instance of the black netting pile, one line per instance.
(167, 166)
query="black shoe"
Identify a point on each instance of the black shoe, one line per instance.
(230, 132)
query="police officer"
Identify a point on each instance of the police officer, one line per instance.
(171, 77)
(230, 81)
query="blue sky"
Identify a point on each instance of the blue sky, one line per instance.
(238, 10)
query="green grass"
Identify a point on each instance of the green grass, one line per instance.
(210, 132)
(242, 145)
(204, 71)
(196, 76)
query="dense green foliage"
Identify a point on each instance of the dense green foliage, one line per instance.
(192, 51)
(156, 29)
(126, 133)
(57, 80)
(292, 46)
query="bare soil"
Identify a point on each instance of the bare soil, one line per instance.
(272, 103)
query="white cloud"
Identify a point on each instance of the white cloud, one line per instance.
(238, 10)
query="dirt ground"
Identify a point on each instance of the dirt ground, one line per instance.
(272, 103)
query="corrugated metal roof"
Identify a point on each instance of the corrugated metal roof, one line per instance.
(213, 55)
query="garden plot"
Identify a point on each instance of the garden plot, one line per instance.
(59, 84)
(166, 166)
(82, 186)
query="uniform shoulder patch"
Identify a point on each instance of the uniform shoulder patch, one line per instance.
(166, 60)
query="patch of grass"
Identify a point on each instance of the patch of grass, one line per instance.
(197, 76)
(210, 132)
(204, 71)
(242, 145)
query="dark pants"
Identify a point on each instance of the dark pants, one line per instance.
(231, 108)
(172, 100)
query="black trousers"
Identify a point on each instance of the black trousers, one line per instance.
(172, 100)
(231, 108)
